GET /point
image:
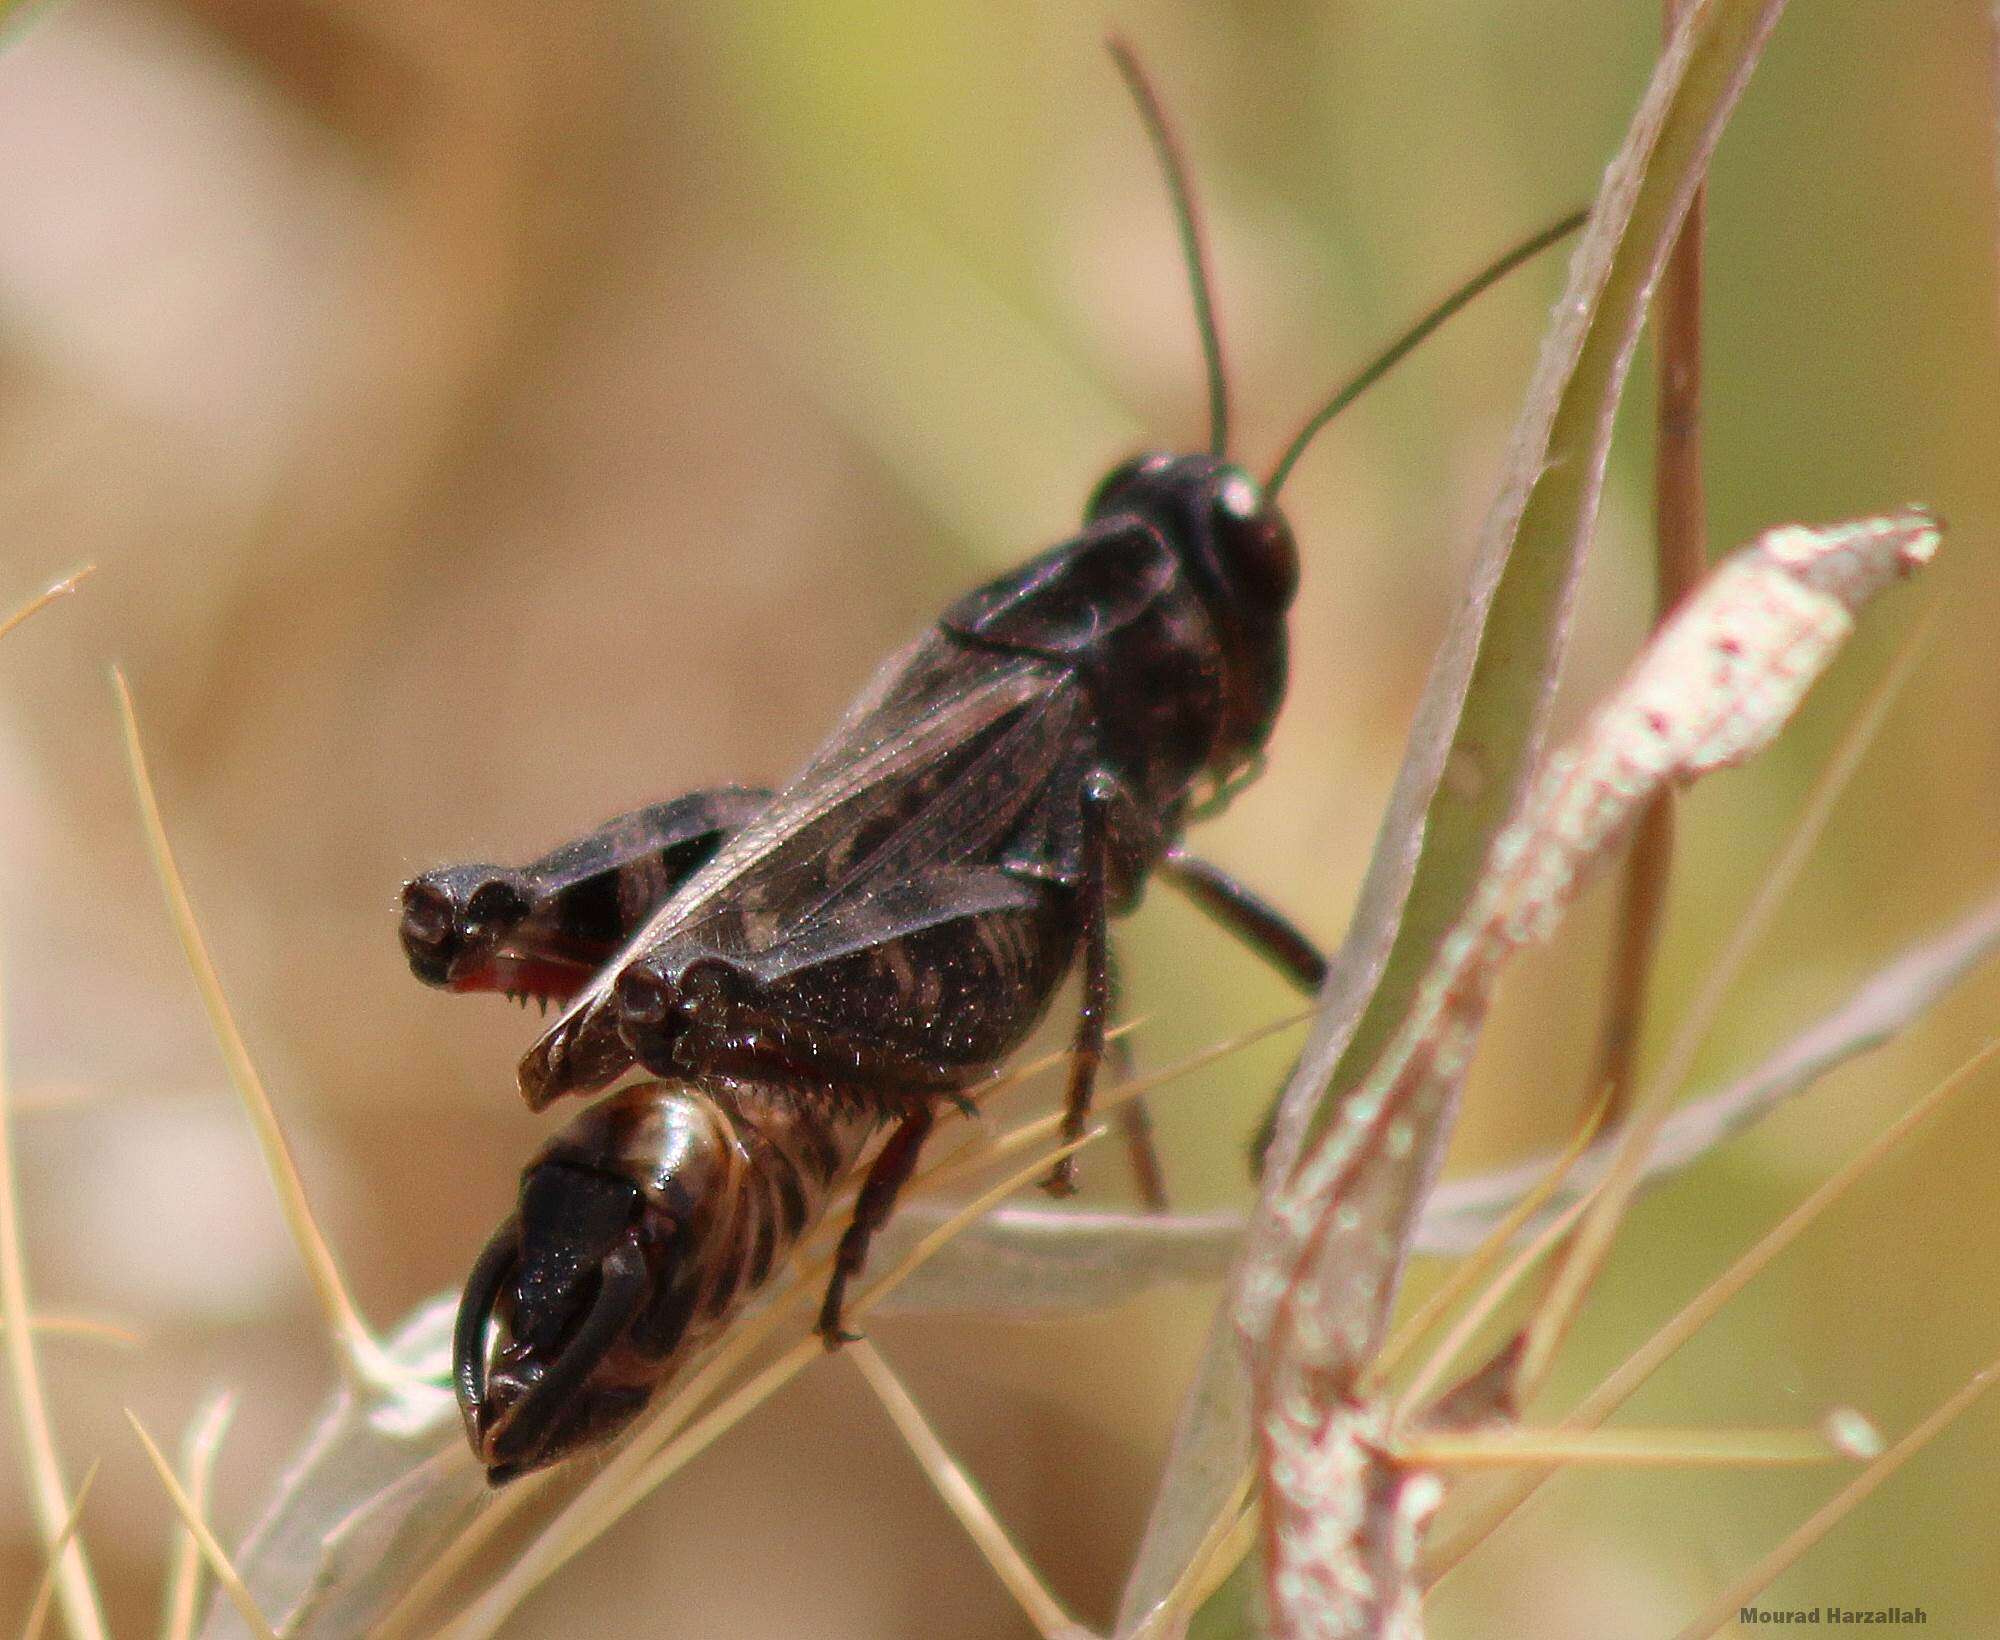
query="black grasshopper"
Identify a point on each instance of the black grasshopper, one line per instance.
(870, 941)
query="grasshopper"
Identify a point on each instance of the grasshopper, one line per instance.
(857, 949)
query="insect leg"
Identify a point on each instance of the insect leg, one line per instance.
(890, 1171)
(1088, 1049)
(1262, 927)
(1247, 915)
(1134, 1122)
(544, 929)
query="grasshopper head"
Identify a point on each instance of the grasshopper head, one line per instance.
(1237, 550)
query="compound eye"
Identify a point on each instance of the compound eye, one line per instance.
(1255, 544)
(1120, 479)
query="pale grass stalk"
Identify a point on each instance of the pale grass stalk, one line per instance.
(1409, 1404)
(75, 1587)
(949, 1479)
(42, 600)
(1198, 1578)
(1680, 560)
(199, 1450)
(442, 1569)
(62, 1324)
(1702, 1308)
(1624, 1448)
(1592, 1244)
(1041, 1128)
(47, 1494)
(45, 1585)
(1837, 1508)
(362, 1359)
(1466, 1273)
(590, 1514)
(218, 1562)
(1234, 1551)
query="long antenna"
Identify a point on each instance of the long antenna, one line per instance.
(1393, 355)
(1168, 151)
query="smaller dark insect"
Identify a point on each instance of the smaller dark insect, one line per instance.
(641, 1229)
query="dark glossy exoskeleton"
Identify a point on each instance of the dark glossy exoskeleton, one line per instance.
(544, 929)
(870, 942)
(641, 1229)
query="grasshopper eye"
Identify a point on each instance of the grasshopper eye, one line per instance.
(1254, 543)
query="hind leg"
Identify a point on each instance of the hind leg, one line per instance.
(893, 1165)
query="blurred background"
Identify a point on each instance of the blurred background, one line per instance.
(488, 418)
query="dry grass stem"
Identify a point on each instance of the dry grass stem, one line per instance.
(1200, 1577)
(75, 1587)
(955, 1487)
(442, 1571)
(51, 1324)
(1700, 1310)
(1593, 1238)
(1229, 1554)
(1040, 1129)
(1626, 1448)
(211, 1551)
(1726, 1605)
(1410, 1403)
(1467, 1273)
(74, 1584)
(362, 1359)
(42, 600)
(199, 1450)
(45, 1585)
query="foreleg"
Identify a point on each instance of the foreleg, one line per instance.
(1087, 1051)
(1247, 915)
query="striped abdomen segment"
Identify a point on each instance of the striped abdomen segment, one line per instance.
(787, 1158)
(732, 1176)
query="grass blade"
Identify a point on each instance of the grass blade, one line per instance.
(42, 600)
(1841, 1437)
(954, 1486)
(45, 1586)
(75, 1588)
(198, 1455)
(1461, 1212)
(361, 1357)
(211, 1551)
(1830, 1514)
